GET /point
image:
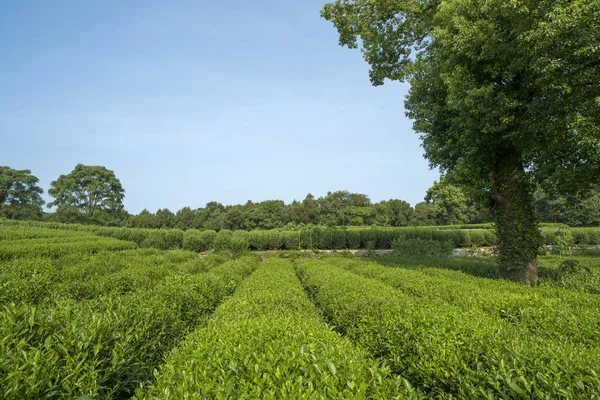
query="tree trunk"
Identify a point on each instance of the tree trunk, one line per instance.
(517, 224)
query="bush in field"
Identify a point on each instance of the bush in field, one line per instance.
(290, 240)
(563, 241)
(222, 241)
(307, 239)
(353, 239)
(164, 239)
(449, 351)
(238, 243)
(198, 241)
(338, 239)
(385, 237)
(368, 238)
(421, 247)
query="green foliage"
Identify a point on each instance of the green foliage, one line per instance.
(108, 346)
(291, 240)
(86, 191)
(137, 322)
(20, 195)
(422, 247)
(34, 280)
(571, 316)
(268, 341)
(239, 244)
(563, 241)
(451, 204)
(579, 273)
(502, 94)
(164, 239)
(446, 350)
(198, 240)
(222, 241)
(61, 246)
(353, 238)
(572, 267)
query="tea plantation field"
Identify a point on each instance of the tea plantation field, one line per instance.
(89, 316)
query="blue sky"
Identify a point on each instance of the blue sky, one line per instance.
(194, 101)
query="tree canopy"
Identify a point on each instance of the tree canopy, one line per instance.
(86, 193)
(502, 93)
(20, 195)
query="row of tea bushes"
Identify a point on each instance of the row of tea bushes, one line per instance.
(108, 346)
(545, 312)
(446, 350)
(60, 246)
(19, 232)
(35, 280)
(269, 342)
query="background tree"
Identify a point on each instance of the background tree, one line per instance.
(426, 214)
(165, 218)
(145, 219)
(506, 92)
(393, 213)
(88, 193)
(573, 210)
(20, 195)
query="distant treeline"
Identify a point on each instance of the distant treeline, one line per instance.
(444, 204)
(92, 195)
(340, 208)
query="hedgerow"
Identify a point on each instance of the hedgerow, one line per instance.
(312, 237)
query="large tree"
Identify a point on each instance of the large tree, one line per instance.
(20, 195)
(86, 193)
(502, 92)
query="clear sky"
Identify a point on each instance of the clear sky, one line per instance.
(194, 101)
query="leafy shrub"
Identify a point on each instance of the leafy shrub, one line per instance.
(421, 247)
(198, 241)
(338, 239)
(290, 240)
(353, 238)
(222, 241)
(368, 238)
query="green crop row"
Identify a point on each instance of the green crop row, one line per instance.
(581, 236)
(38, 279)
(16, 232)
(105, 347)
(61, 246)
(268, 342)
(545, 312)
(446, 350)
(584, 278)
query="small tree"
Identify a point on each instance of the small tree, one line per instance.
(20, 195)
(86, 192)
